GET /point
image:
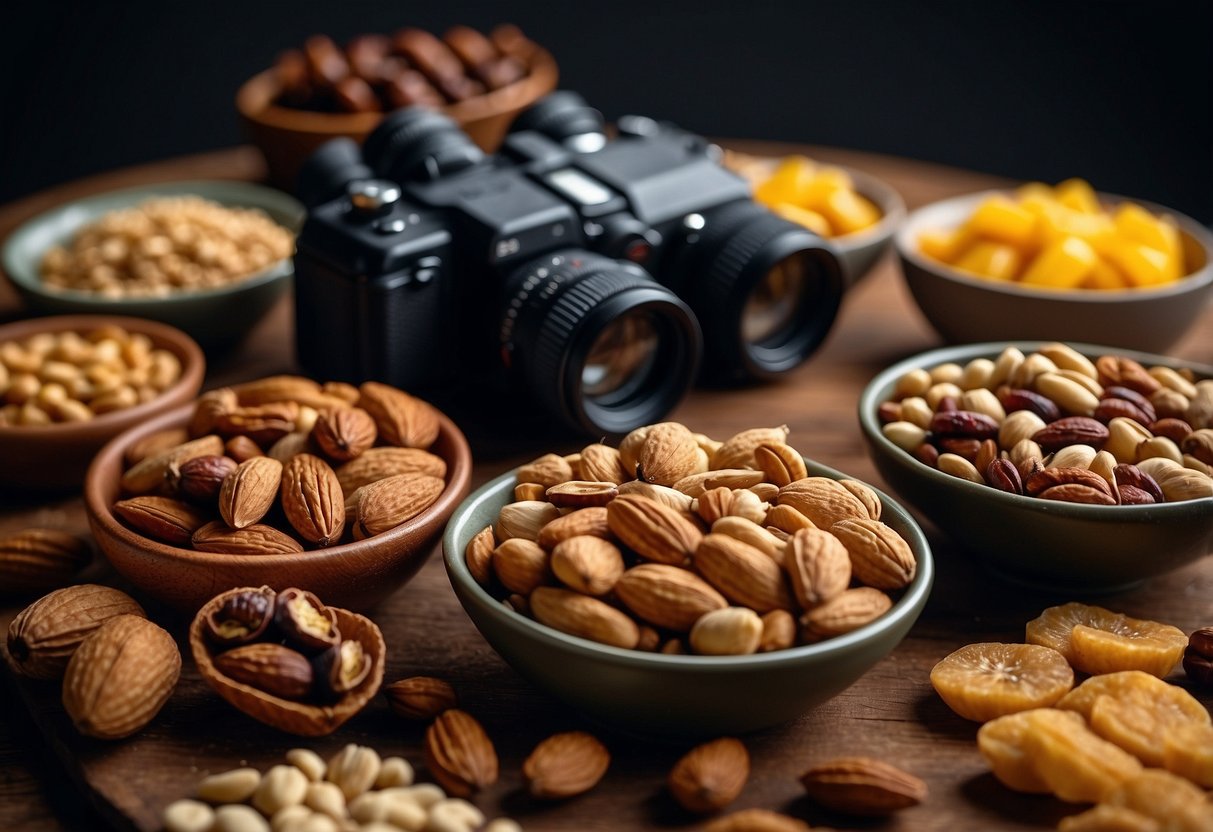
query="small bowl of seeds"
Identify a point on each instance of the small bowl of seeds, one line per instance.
(209, 258)
(1073, 468)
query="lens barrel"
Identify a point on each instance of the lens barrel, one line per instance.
(765, 290)
(417, 144)
(565, 117)
(598, 341)
(326, 172)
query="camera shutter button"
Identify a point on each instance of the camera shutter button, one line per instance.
(373, 196)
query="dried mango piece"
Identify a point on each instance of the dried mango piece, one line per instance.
(995, 260)
(825, 181)
(1078, 195)
(1063, 264)
(1136, 223)
(788, 183)
(1188, 751)
(1105, 276)
(985, 681)
(944, 246)
(1175, 803)
(1000, 742)
(1002, 219)
(1144, 265)
(811, 220)
(1107, 641)
(849, 212)
(1073, 762)
(1105, 818)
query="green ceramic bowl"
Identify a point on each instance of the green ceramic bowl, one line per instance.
(678, 695)
(213, 317)
(1060, 547)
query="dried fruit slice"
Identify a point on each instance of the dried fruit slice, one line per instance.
(1135, 710)
(1104, 818)
(1172, 801)
(1187, 750)
(1000, 742)
(988, 680)
(1073, 762)
(1095, 640)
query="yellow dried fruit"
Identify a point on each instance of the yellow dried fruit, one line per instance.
(1072, 761)
(1172, 801)
(985, 681)
(1135, 710)
(1001, 743)
(1104, 818)
(1188, 751)
(1095, 640)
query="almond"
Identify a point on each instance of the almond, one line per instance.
(420, 698)
(818, 565)
(524, 519)
(587, 564)
(663, 494)
(521, 565)
(154, 443)
(822, 500)
(580, 615)
(294, 443)
(756, 820)
(479, 555)
(35, 560)
(778, 631)
(880, 557)
(389, 502)
(713, 504)
(742, 573)
(746, 531)
(565, 765)
(257, 539)
(240, 448)
(120, 676)
(248, 492)
(581, 494)
(312, 499)
(863, 786)
(667, 596)
(44, 635)
(710, 776)
(208, 408)
(846, 611)
(380, 463)
(629, 449)
(459, 754)
(871, 500)
(547, 470)
(163, 518)
(694, 485)
(587, 521)
(402, 420)
(732, 631)
(779, 463)
(272, 389)
(668, 454)
(738, 450)
(1125, 372)
(200, 479)
(603, 463)
(651, 529)
(788, 519)
(264, 424)
(148, 474)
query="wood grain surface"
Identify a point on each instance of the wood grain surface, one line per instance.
(48, 773)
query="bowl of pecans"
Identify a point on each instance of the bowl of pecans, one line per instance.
(337, 490)
(1073, 468)
(207, 257)
(727, 572)
(323, 91)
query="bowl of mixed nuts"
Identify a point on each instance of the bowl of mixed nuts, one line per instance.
(70, 383)
(337, 490)
(207, 257)
(684, 586)
(1075, 468)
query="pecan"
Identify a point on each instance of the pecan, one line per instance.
(1131, 475)
(1111, 408)
(1047, 478)
(1131, 495)
(1073, 492)
(963, 424)
(967, 448)
(1018, 399)
(1072, 430)
(1174, 429)
(1003, 475)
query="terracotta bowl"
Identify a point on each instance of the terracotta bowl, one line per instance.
(684, 696)
(301, 718)
(287, 136)
(352, 575)
(55, 457)
(965, 308)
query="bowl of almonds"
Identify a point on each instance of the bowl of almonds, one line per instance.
(69, 384)
(283, 482)
(686, 586)
(1074, 468)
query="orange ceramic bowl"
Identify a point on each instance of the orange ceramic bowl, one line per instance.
(55, 457)
(287, 136)
(354, 576)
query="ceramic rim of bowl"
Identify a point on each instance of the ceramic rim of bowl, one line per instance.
(30, 280)
(908, 605)
(869, 403)
(906, 243)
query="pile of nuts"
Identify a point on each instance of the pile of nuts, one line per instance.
(53, 377)
(355, 790)
(715, 548)
(1058, 426)
(165, 246)
(377, 73)
(283, 460)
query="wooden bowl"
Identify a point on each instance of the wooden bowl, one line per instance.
(287, 136)
(55, 457)
(352, 575)
(299, 718)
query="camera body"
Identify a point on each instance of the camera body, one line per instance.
(422, 262)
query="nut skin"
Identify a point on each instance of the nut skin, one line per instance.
(1015, 399)
(1003, 475)
(1131, 475)
(1112, 408)
(43, 636)
(1071, 430)
(710, 776)
(1174, 429)
(1133, 397)
(420, 698)
(199, 479)
(963, 424)
(459, 754)
(1198, 658)
(268, 667)
(242, 619)
(305, 622)
(1131, 495)
(340, 669)
(38, 560)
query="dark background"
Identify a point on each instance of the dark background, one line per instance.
(1117, 92)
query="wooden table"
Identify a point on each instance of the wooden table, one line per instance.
(891, 713)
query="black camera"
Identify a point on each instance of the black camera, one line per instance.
(578, 269)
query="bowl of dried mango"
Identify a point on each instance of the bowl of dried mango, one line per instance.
(1057, 263)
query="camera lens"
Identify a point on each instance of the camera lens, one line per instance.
(327, 171)
(564, 117)
(598, 341)
(416, 144)
(765, 290)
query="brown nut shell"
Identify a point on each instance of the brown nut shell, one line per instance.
(43, 636)
(299, 718)
(242, 618)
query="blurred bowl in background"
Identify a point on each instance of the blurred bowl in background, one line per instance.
(215, 317)
(965, 308)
